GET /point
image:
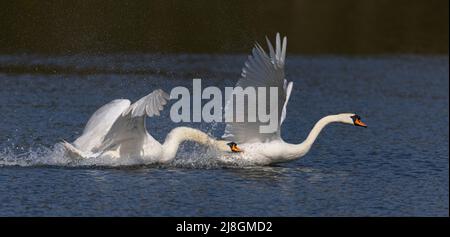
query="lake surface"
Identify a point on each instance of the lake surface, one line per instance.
(399, 166)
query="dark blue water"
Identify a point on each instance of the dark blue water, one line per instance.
(398, 166)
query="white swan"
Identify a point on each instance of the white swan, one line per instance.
(262, 70)
(117, 130)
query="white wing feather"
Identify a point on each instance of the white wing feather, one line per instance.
(260, 70)
(288, 89)
(118, 122)
(130, 126)
(149, 105)
(99, 124)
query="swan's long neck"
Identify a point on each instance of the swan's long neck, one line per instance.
(303, 148)
(181, 134)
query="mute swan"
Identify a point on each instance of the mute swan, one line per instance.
(260, 70)
(117, 130)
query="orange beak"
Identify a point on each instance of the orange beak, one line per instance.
(235, 148)
(358, 122)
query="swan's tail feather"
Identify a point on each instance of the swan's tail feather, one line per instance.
(72, 151)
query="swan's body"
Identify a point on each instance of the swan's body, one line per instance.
(277, 150)
(117, 130)
(262, 70)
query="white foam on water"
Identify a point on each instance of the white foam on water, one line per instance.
(197, 157)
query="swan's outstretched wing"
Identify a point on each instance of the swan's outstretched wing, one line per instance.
(261, 70)
(99, 124)
(129, 128)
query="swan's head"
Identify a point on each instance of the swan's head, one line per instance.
(233, 146)
(352, 119)
(227, 146)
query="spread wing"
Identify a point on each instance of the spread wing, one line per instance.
(130, 126)
(99, 124)
(261, 70)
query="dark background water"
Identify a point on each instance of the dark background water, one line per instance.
(203, 26)
(398, 166)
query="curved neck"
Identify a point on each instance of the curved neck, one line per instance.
(302, 148)
(179, 135)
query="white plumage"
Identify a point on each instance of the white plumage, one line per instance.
(262, 70)
(118, 130)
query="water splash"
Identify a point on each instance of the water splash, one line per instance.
(193, 156)
(39, 156)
